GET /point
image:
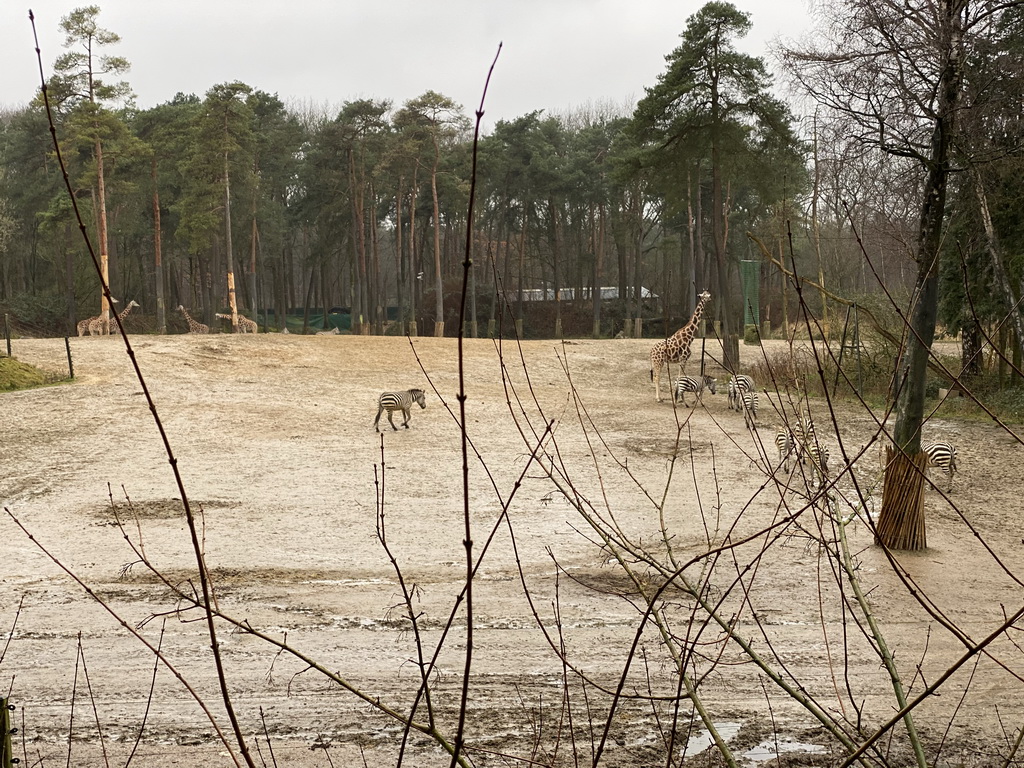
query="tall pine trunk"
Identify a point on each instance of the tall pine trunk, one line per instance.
(101, 210)
(158, 268)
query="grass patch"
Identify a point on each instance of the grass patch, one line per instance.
(17, 375)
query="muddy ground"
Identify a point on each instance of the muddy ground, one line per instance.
(273, 435)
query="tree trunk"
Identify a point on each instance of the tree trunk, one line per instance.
(522, 267)
(816, 231)
(688, 280)
(360, 308)
(902, 495)
(230, 252)
(254, 244)
(438, 276)
(970, 351)
(158, 268)
(998, 264)
(699, 256)
(556, 278)
(101, 208)
(376, 294)
(598, 269)
(401, 275)
(69, 281)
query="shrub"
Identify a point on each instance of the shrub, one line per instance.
(33, 315)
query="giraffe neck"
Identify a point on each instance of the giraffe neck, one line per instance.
(698, 313)
(678, 345)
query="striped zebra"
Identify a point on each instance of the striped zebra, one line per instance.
(394, 401)
(817, 453)
(786, 445)
(803, 436)
(748, 401)
(739, 384)
(943, 456)
(694, 384)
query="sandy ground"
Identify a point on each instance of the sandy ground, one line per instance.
(274, 440)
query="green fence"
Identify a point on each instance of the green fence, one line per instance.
(750, 276)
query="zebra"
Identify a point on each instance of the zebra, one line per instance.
(808, 449)
(801, 441)
(394, 401)
(695, 384)
(943, 456)
(739, 384)
(785, 443)
(748, 401)
(818, 455)
(803, 436)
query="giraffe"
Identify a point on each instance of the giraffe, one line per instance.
(245, 325)
(676, 348)
(95, 325)
(193, 326)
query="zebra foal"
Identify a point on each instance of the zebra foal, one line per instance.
(694, 384)
(943, 456)
(395, 401)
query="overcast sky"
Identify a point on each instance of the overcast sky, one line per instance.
(557, 55)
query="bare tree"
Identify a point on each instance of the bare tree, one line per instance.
(893, 72)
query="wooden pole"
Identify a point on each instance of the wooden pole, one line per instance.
(71, 365)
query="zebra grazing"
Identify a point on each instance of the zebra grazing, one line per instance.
(394, 401)
(785, 443)
(748, 401)
(695, 384)
(739, 384)
(943, 456)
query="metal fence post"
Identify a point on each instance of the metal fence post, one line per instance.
(7, 332)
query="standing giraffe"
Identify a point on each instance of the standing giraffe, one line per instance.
(95, 325)
(193, 326)
(676, 348)
(92, 325)
(245, 325)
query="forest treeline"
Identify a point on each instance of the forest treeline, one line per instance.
(364, 207)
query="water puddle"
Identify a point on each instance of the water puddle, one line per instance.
(703, 740)
(768, 750)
